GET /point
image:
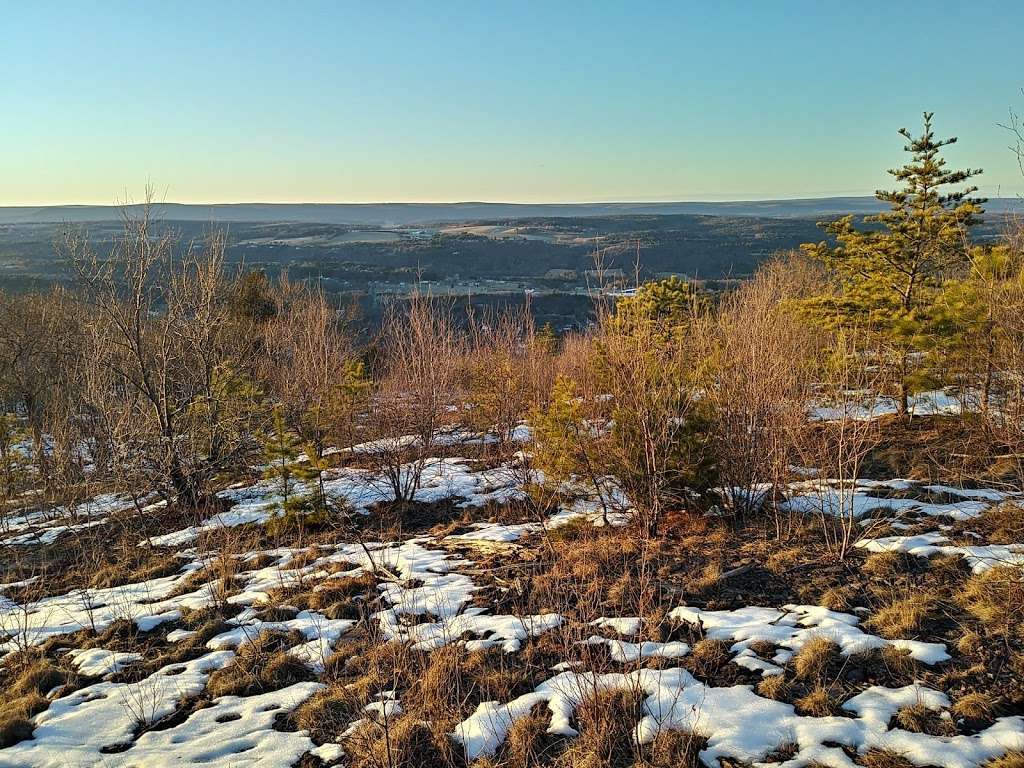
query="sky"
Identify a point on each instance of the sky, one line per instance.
(560, 101)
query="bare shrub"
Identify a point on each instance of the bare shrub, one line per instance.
(162, 361)
(509, 371)
(760, 378)
(416, 390)
(652, 431)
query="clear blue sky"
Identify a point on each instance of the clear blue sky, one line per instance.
(533, 101)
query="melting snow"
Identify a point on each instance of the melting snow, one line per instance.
(741, 725)
(979, 558)
(792, 626)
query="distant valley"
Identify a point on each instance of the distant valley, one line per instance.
(487, 253)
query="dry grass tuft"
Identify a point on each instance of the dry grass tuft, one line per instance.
(709, 578)
(528, 744)
(899, 660)
(452, 679)
(996, 598)
(674, 749)
(914, 718)
(1012, 759)
(709, 656)
(23, 694)
(882, 564)
(368, 668)
(263, 664)
(604, 573)
(328, 713)
(781, 561)
(406, 742)
(884, 758)
(901, 616)
(1001, 524)
(339, 597)
(773, 687)
(813, 660)
(14, 727)
(838, 598)
(38, 678)
(607, 725)
(974, 706)
(763, 648)
(818, 702)
(118, 573)
(970, 643)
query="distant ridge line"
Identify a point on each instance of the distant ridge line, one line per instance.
(406, 214)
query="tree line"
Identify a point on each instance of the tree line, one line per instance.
(164, 370)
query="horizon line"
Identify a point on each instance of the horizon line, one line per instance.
(612, 201)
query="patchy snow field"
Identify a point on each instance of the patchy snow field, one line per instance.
(430, 595)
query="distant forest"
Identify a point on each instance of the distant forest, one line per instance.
(705, 247)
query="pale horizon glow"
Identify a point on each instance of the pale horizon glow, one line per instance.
(529, 102)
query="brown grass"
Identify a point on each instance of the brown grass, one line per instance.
(814, 658)
(781, 561)
(974, 706)
(901, 616)
(607, 726)
(328, 713)
(818, 702)
(528, 744)
(996, 598)
(898, 660)
(1001, 524)
(708, 578)
(709, 656)
(1012, 759)
(674, 749)
(29, 678)
(838, 598)
(970, 643)
(262, 664)
(602, 572)
(405, 742)
(884, 758)
(14, 727)
(115, 574)
(773, 687)
(37, 678)
(763, 648)
(882, 564)
(369, 667)
(914, 718)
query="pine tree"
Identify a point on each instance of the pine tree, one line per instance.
(560, 433)
(311, 471)
(546, 339)
(347, 399)
(971, 307)
(671, 300)
(889, 275)
(14, 462)
(281, 451)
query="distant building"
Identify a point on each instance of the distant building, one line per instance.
(609, 275)
(561, 274)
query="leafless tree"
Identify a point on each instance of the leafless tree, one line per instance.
(759, 381)
(836, 448)
(508, 371)
(311, 362)
(416, 389)
(162, 358)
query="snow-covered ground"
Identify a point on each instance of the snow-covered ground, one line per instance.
(431, 598)
(864, 406)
